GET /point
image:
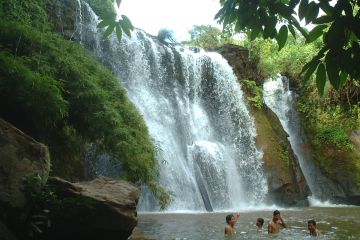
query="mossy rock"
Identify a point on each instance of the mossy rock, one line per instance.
(287, 184)
(341, 165)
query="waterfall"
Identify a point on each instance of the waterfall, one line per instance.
(194, 108)
(280, 99)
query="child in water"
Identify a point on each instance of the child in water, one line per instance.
(230, 223)
(259, 223)
(314, 232)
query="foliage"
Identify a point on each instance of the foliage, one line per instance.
(207, 36)
(101, 7)
(339, 56)
(335, 135)
(54, 91)
(287, 62)
(83, 100)
(331, 120)
(109, 18)
(254, 93)
(29, 12)
(284, 154)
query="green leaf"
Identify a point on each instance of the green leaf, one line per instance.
(109, 30)
(292, 30)
(255, 32)
(311, 69)
(332, 69)
(302, 30)
(315, 33)
(118, 2)
(323, 19)
(336, 35)
(104, 23)
(321, 53)
(118, 32)
(312, 64)
(270, 27)
(303, 9)
(343, 78)
(109, 16)
(127, 22)
(282, 36)
(125, 27)
(312, 12)
(238, 26)
(325, 6)
(321, 78)
(293, 3)
(220, 14)
(345, 60)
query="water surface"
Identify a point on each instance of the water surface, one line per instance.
(335, 223)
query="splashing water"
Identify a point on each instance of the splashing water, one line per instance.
(280, 99)
(195, 111)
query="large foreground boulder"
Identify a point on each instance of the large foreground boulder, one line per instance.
(24, 164)
(103, 208)
(24, 169)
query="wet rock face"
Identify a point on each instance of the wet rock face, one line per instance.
(63, 15)
(24, 165)
(238, 58)
(286, 182)
(244, 66)
(355, 139)
(103, 208)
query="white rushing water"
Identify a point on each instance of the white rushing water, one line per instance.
(195, 112)
(280, 99)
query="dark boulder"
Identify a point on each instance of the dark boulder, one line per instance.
(103, 208)
(24, 170)
(23, 162)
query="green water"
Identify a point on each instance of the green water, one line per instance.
(334, 223)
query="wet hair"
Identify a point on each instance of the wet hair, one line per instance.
(276, 212)
(260, 220)
(312, 222)
(228, 218)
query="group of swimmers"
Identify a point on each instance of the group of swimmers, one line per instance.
(274, 225)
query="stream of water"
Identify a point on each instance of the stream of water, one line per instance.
(196, 114)
(336, 223)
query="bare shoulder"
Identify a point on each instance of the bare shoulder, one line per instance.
(228, 229)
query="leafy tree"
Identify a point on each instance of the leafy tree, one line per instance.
(110, 19)
(339, 57)
(205, 36)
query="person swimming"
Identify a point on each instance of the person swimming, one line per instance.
(231, 219)
(276, 222)
(259, 223)
(314, 232)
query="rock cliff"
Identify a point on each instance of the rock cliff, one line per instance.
(287, 184)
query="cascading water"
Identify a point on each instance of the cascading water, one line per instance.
(195, 111)
(280, 99)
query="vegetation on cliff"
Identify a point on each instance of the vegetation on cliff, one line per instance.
(328, 118)
(330, 113)
(56, 92)
(338, 25)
